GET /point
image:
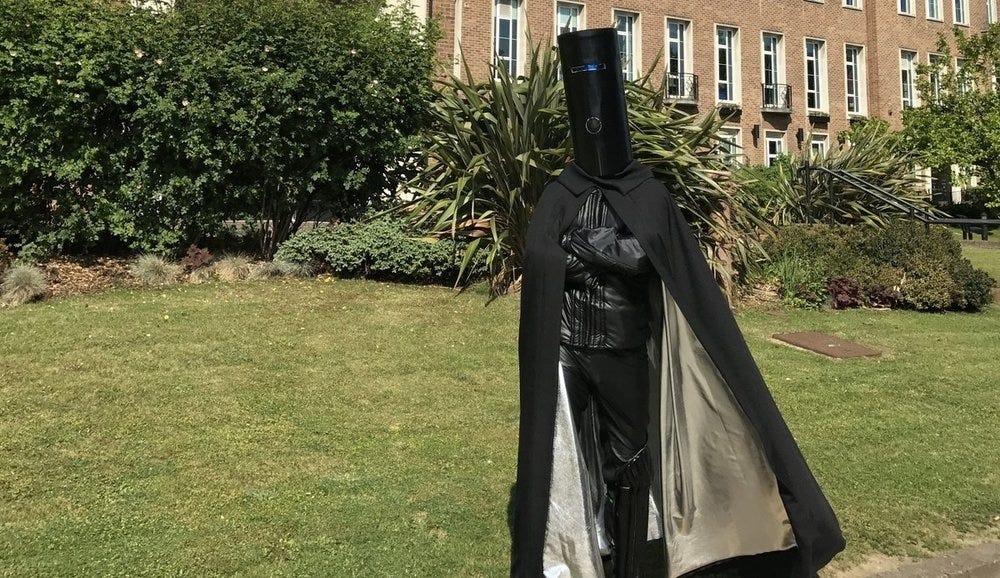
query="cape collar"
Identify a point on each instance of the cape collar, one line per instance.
(577, 180)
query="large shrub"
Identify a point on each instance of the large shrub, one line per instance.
(383, 248)
(153, 128)
(899, 265)
(69, 75)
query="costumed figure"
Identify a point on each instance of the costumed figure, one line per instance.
(649, 444)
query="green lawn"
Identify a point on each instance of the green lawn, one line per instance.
(352, 428)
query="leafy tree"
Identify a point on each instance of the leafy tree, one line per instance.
(959, 119)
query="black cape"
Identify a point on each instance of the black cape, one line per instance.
(730, 483)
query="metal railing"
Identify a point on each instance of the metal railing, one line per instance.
(903, 206)
(776, 97)
(682, 86)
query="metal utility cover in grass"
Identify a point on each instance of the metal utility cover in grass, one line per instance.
(826, 344)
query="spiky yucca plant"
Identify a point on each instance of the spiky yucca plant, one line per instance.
(491, 149)
(495, 144)
(868, 150)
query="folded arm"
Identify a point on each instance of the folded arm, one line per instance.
(602, 248)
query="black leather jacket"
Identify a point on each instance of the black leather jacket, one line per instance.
(605, 301)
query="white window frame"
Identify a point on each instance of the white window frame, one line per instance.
(630, 62)
(934, 6)
(908, 79)
(685, 53)
(580, 22)
(734, 137)
(853, 4)
(733, 84)
(960, 7)
(773, 136)
(515, 19)
(965, 84)
(937, 63)
(910, 7)
(860, 82)
(821, 139)
(779, 63)
(822, 76)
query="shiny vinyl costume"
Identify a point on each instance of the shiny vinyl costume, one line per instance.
(729, 489)
(638, 394)
(602, 357)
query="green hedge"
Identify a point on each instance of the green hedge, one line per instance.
(380, 249)
(902, 265)
(124, 126)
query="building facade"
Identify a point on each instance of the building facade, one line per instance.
(788, 75)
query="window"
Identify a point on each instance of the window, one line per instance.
(854, 68)
(991, 11)
(727, 64)
(775, 95)
(680, 83)
(856, 4)
(937, 64)
(817, 145)
(964, 82)
(626, 22)
(729, 145)
(934, 10)
(906, 7)
(568, 17)
(907, 75)
(505, 32)
(961, 11)
(775, 146)
(815, 74)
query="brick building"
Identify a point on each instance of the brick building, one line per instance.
(788, 74)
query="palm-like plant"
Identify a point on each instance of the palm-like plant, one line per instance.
(869, 151)
(492, 148)
(495, 144)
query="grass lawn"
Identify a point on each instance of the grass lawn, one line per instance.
(351, 428)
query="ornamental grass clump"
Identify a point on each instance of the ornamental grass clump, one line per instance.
(152, 270)
(278, 268)
(232, 268)
(22, 284)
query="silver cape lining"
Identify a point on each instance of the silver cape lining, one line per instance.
(721, 498)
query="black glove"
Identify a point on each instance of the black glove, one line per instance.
(602, 248)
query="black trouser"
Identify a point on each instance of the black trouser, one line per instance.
(617, 381)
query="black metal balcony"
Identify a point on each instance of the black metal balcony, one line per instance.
(776, 97)
(682, 87)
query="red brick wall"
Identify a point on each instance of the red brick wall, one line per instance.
(878, 27)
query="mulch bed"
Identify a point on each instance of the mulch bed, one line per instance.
(78, 276)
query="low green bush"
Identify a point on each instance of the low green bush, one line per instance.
(799, 283)
(900, 265)
(380, 249)
(22, 284)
